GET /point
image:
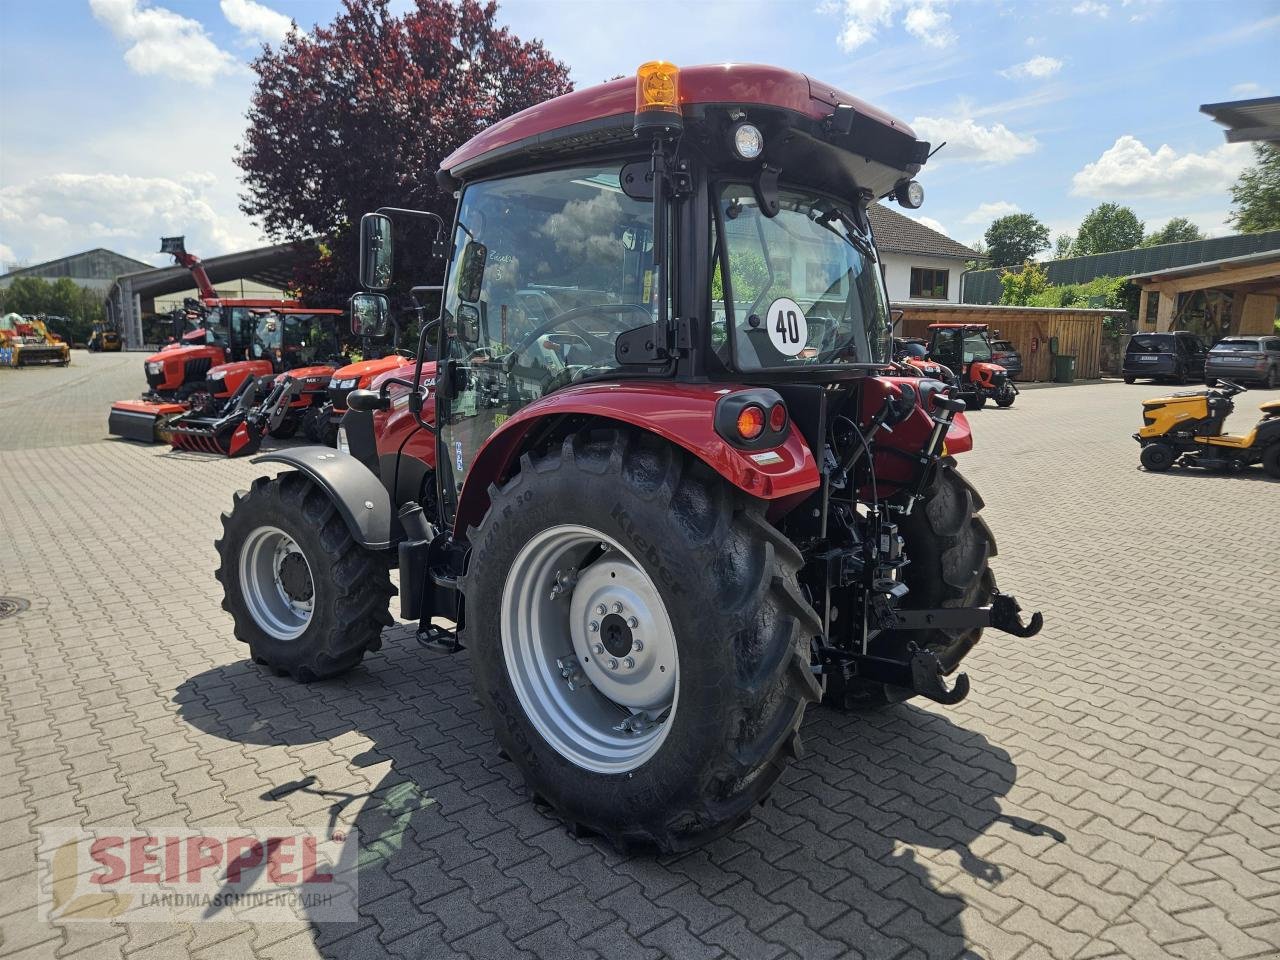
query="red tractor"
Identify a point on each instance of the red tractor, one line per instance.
(667, 496)
(966, 349)
(233, 340)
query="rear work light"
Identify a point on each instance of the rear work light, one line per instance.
(658, 96)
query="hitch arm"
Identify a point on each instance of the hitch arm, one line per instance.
(1003, 614)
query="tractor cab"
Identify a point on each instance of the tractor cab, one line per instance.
(657, 476)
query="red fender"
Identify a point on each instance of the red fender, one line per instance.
(892, 469)
(175, 359)
(236, 374)
(682, 413)
(983, 373)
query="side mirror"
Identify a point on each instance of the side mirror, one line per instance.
(468, 323)
(370, 314)
(376, 251)
(366, 401)
(471, 271)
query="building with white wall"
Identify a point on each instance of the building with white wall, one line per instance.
(920, 264)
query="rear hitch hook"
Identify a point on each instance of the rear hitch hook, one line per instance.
(927, 679)
(1005, 616)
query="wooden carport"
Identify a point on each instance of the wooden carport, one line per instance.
(1251, 284)
(1030, 330)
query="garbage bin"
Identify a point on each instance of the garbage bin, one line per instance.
(1064, 368)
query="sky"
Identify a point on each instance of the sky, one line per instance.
(119, 118)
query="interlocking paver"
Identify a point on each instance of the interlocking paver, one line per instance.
(1111, 788)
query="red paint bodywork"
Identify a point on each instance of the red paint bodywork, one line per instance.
(891, 469)
(728, 83)
(396, 429)
(236, 374)
(176, 358)
(682, 413)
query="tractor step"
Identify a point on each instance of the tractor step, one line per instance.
(439, 639)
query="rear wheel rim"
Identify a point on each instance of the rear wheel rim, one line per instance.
(277, 583)
(589, 649)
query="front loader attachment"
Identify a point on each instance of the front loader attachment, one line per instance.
(142, 420)
(239, 431)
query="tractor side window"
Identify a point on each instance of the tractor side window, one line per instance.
(801, 288)
(548, 270)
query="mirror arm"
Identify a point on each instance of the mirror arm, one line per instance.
(437, 245)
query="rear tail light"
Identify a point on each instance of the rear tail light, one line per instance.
(751, 422)
(777, 417)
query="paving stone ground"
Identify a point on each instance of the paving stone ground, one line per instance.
(1111, 788)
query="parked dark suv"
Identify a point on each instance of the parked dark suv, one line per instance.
(1006, 354)
(1177, 356)
(1245, 360)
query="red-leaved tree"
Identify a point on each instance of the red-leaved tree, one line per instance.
(359, 114)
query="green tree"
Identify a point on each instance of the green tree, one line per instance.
(1107, 227)
(1256, 195)
(1177, 230)
(64, 298)
(1062, 246)
(1015, 239)
(1020, 286)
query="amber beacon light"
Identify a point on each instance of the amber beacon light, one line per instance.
(658, 97)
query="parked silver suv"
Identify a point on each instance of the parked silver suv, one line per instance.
(1244, 360)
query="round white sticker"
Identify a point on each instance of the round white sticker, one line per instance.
(788, 329)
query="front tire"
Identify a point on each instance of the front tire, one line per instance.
(287, 428)
(976, 402)
(1005, 397)
(307, 599)
(1130, 380)
(685, 552)
(1157, 457)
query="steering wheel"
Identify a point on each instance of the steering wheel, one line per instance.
(570, 317)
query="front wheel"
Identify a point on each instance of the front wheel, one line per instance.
(287, 427)
(1157, 457)
(1006, 396)
(975, 402)
(306, 598)
(1273, 378)
(1130, 380)
(639, 640)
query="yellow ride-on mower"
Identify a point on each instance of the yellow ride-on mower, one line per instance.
(1186, 429)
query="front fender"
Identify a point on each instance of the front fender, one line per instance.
(681, 413)
(359, 495)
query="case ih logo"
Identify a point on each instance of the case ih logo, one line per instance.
(181, 875)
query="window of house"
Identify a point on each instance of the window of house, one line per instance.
(929, 284)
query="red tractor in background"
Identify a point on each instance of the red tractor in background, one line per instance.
(912, 357)
(966, 349)
(236, 339)
(668, 500)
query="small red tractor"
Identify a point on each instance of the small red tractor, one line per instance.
(911, 357)
(667, 498)
(966, 349)
(234, 340)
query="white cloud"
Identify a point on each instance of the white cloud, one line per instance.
(986, 212)
(1245, 89)
(1037, 68)
(256, 21)
(1130, 169)
(6, 257)
(1091, 8)
(926, 20)
(62, 213)
(162, 42)
(966, 139)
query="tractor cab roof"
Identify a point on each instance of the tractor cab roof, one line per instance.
(801, 114)
(959, 326)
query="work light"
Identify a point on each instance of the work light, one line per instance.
(909, 194)
(748, 141)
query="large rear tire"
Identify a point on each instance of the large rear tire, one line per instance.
(949, 546)
(1271, 460)
(307, 599)
(709, 579)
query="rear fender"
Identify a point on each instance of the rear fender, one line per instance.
(358, 494)
(681, 413)
(896, 454)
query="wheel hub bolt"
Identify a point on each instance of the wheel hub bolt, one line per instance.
(632, 622)
(617, 607)
(630, 662)
(601, 609)
(636, 646)
(598, 649)
(594, 626)
(613, 663)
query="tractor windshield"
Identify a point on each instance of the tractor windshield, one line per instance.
(801, 288)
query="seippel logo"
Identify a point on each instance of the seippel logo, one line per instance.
(182, 875)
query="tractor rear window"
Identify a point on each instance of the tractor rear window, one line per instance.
(1151, 343)
(801, 288)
